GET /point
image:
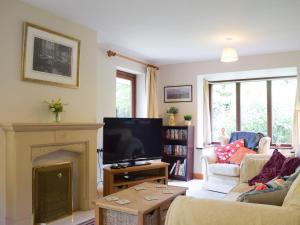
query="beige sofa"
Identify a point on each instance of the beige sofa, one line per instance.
(222, 177)
(191, 211)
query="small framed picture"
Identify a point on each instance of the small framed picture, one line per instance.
(182, 93)
(49, 57)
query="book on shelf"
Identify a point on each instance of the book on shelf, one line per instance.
(179, 168)
(176, 134)
(173, 167)
(175, 150)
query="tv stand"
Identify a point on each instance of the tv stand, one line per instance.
(133, 177)
(115, 180)
(137, 163)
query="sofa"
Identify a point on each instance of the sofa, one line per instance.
(192, 211)
(222, 177)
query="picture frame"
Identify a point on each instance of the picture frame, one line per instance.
(181, 93)
(49, 57)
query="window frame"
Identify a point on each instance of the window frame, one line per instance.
(132, 78)
(238, 103)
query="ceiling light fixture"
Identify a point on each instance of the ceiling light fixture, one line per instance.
(229, 54)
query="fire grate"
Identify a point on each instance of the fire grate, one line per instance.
(52, 192)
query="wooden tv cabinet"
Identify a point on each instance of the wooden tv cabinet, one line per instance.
(114, 180)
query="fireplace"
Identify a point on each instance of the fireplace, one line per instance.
(34, 150)
(52, 192)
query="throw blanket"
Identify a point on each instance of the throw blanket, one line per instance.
(191, 211)
(251, 138)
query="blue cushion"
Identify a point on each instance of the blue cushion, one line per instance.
(251, 138)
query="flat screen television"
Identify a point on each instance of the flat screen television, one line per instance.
(131, 139)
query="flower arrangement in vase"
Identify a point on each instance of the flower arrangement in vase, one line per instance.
(172, 111)
(56, 107)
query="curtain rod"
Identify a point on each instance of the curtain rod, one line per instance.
(252, 79)
(111, 53)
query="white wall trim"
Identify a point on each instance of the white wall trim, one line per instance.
(2, 178)
(274, 72)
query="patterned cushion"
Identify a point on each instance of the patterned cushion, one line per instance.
(239, 155)
(225, 152)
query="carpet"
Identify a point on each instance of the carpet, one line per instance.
(196, 189)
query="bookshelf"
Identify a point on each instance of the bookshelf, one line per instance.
(179, 151)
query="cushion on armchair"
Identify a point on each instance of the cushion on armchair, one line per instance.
(251, 138)
(239, 155)
(225, 152)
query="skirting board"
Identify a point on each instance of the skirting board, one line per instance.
(90, 222)
(198, 176)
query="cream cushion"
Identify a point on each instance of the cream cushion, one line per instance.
(252, 165)
(292, 199)
(225, 169)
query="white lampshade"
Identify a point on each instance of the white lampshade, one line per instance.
(229, 55)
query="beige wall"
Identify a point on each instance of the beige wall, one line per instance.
(187, 73)
(106, 86)
(23, 101)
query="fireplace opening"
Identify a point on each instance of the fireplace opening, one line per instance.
(52, 192)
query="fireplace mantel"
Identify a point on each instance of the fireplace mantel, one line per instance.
(21, 144)
(27, 127)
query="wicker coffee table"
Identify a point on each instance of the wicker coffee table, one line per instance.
(139, 211)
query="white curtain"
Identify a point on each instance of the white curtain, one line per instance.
(152, 92)
(206, 114)
(296, 131)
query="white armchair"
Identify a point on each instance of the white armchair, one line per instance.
(222, 177)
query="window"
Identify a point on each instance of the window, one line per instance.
(125, 94)
(223, 108)
(283, 101)
(254, 106)
(264, 106)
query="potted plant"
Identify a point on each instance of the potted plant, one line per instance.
(56, 107)
(187, 120)
(172, 111)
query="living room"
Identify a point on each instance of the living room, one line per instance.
(236, 63)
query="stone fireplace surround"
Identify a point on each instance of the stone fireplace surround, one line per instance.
(23, 146)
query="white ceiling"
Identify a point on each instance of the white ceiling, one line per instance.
(174, 31)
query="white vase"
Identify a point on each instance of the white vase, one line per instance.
(188, 122)
(57, 117)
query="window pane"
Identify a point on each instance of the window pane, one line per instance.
(223, 109)
(283, 100)
(123, 97)
(254, 106)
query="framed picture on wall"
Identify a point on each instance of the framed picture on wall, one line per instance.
(182, 93)
(49, 57)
